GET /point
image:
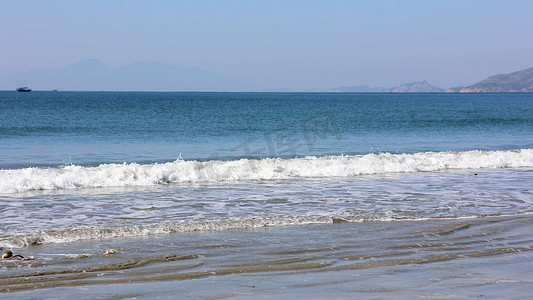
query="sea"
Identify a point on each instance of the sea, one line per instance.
(142, 195)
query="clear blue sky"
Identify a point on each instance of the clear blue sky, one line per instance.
(293, 44)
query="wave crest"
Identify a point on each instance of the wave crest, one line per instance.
(181, 171)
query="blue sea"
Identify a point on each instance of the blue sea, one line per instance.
(266, 194)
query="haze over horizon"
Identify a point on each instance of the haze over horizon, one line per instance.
(295, 45)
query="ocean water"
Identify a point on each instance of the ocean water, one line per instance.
(319, 194)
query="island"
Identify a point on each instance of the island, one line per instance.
(520, 81)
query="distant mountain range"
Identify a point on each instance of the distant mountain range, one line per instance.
(521, 81)
(92, 75)
(412, 87)
(416, 87)
(358, 89)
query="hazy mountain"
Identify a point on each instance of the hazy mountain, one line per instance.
(412, 87)
(416, 87)
(521, 81)
(92, 75)
(358, 89)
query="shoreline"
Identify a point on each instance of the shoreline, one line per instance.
(443, 250)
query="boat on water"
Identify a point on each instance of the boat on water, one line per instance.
(24, 89)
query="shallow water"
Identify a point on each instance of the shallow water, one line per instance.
(445, 259)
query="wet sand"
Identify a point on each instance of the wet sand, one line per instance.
(446, 259)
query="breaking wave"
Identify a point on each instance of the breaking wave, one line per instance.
(181, 171)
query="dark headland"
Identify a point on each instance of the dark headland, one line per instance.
(520, 81)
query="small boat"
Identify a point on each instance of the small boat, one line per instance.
(23, 89)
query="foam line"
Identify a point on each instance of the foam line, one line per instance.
(181, 171)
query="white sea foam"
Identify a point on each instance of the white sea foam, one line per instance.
(90, 233)
(181, 171)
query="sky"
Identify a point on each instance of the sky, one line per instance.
(289, 44)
